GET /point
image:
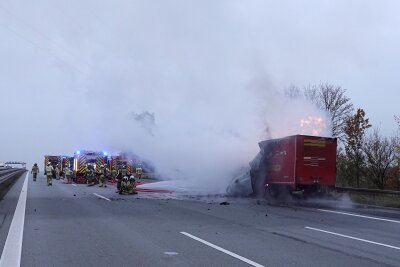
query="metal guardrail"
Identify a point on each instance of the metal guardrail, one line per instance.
(8, 173)
(7, 178)
(369, 191)
(372, 197)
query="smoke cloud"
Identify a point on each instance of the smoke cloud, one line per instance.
(183, 85)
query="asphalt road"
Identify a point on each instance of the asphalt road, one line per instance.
(69, 225)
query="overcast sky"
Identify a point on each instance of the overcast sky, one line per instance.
(73, 71)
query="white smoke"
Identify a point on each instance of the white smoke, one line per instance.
(204, 142)
(184, 86)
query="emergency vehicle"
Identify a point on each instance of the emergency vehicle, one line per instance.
(84, 158)
(54, 161)
(117, 162)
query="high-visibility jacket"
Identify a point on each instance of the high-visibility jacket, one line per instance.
(35, 169)
(67, 171)
(123, 172)
(49, 170)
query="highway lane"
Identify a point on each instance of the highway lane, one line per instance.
(67, 225)
(7, 209)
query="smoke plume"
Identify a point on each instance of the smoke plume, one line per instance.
(184, 86)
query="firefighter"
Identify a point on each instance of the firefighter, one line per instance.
(114, 174)
(49, 174)
(90, 175)
(53, 172)
(128, 185)
(139, 171)
(72, 176)
(35, 171)
(57, 171)
(132, 181)
(120, 176)
(123, 171)
(68, 173)
(103, 176)
(62, 172)
(123, 183)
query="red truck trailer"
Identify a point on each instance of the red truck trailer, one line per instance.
(295, 163)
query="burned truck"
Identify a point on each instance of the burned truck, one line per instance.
(294, 164)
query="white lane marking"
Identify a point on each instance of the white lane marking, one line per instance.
(100, 196)
(74, 185)
(361, 216)
(354, 238)
(252, 263)
(171, 253)
(11, 255)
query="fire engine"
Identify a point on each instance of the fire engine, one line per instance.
(117, 162)
(54, 161)
(85, 158)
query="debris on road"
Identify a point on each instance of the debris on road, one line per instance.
(224, 203)
(171, 253)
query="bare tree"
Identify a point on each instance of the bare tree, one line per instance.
(344, 170)
(380, 156)
(354, 129)
(312, 93)
(293, 92)
(333, 99)
(397, 150)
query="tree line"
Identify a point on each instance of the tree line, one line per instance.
(366, 158)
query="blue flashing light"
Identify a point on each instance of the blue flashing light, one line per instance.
(104, 153)
(78, 152)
